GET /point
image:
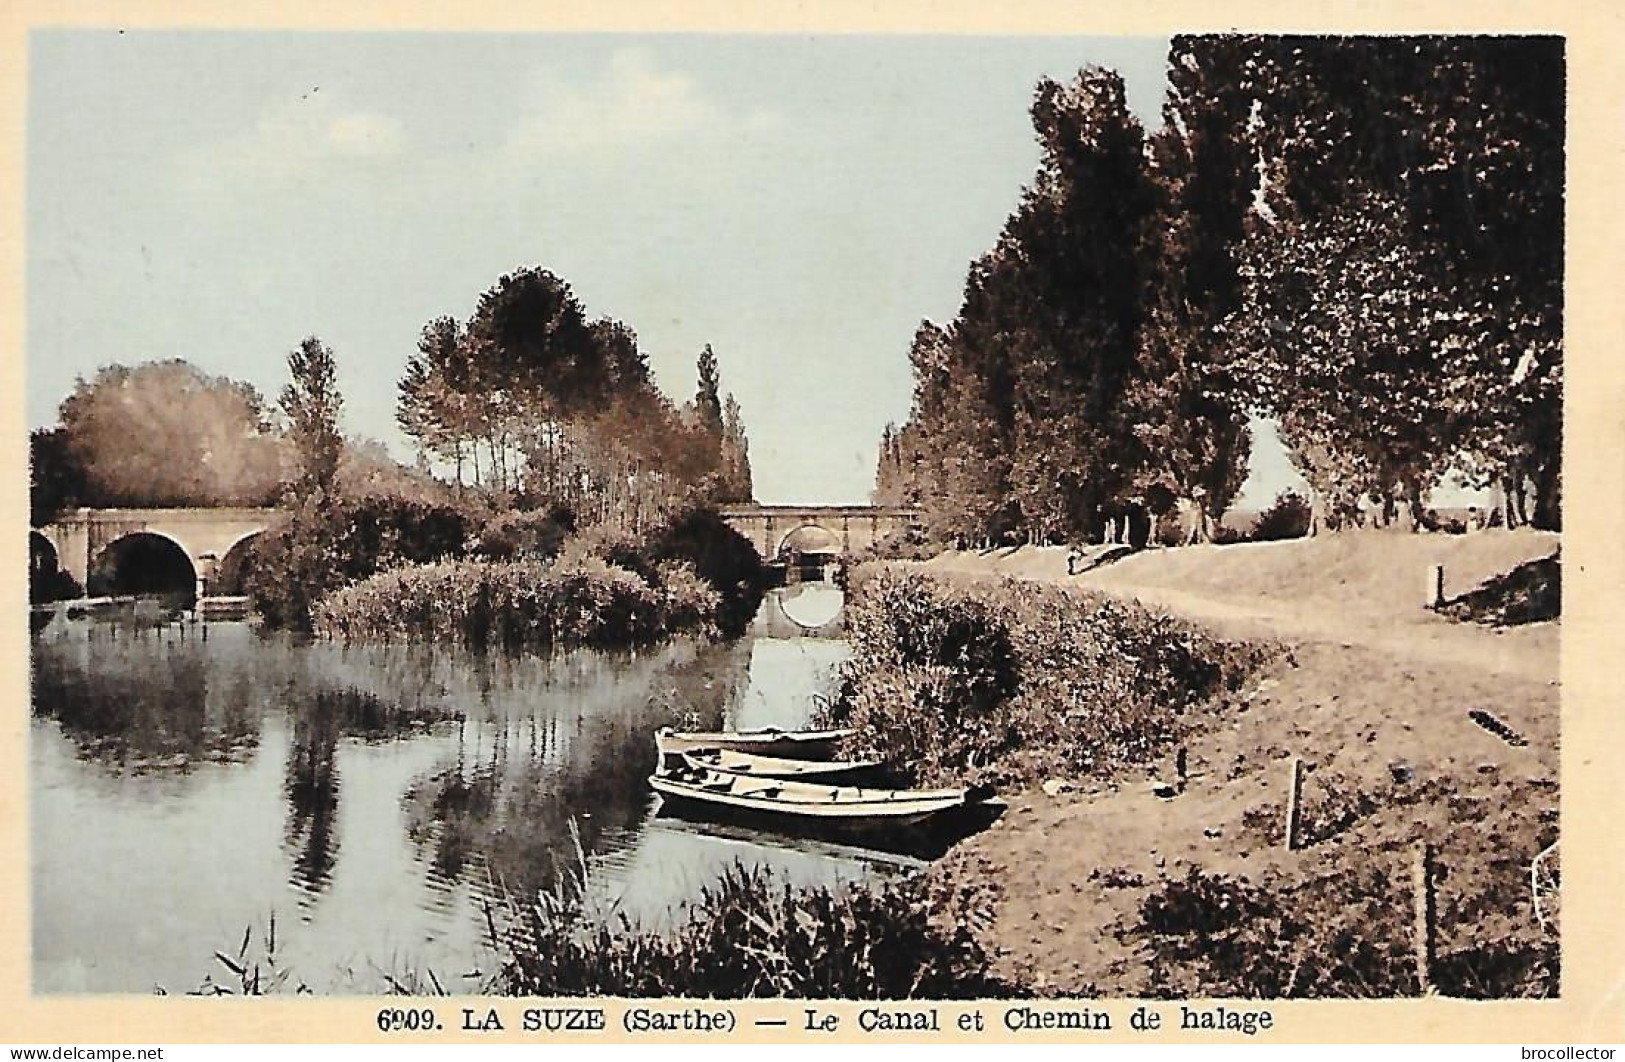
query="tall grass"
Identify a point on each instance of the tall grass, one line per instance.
(1012, 682)
(750, 935)
(514, 604)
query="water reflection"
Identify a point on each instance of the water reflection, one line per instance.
(140, 701)
(312, 789)
(386, 792)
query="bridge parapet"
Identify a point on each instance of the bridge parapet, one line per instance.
(856, 527)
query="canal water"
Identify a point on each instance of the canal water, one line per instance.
(376, 801)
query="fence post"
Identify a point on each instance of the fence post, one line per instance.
(1435, 596)
(1422, 887)
(1293, 802)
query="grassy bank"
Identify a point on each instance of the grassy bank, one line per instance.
(1411, 729)
(1010, 683)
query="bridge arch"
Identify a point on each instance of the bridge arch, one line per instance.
(854, 527)
(47, 580)
(809, 537)
(144, 562)
(207, 535)
(231, 568)
(43, 558)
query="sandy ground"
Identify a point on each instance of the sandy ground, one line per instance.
(1373, 693)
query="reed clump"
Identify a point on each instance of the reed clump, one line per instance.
(583, 601)
(751, 935)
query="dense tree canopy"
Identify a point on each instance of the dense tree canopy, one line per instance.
(545, 409)
(56, 479)
(166, 433)
(1359, 237)
(1426, 333)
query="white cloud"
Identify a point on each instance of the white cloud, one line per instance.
(633, 104)
(296, 140)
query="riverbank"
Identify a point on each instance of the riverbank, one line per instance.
(1106, 887)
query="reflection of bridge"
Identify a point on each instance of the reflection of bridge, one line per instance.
(816, 529)
(803, 610)
(145, 549)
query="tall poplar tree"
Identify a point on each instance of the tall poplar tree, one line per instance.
(312, 404)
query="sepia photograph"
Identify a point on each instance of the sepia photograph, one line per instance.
(1033, 519)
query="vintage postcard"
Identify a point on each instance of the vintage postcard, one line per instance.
(949, 524)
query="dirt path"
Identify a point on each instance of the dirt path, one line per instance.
(1363, 589)
(1374, 695)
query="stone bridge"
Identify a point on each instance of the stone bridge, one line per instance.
(116, 551)
(141, 550)
(830, 530)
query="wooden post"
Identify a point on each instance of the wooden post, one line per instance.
(1422, 883)
(1435, 596)
(1293, 801)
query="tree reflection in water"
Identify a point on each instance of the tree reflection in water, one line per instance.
(322, 717)
(151, 702)
(531, 782)
(312, 790)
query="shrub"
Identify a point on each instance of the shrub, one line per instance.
(913, 543)
(1335, 935)
(316, 549)
(1287, 517)
(1017, 681)
(719, 555)
(1530, 593)
(512, 535)
(518, 603)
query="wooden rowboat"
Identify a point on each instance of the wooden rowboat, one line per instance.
(783, 744)
(803, 804)
(728, 761)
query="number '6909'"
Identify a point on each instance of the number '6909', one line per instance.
(395, 1019)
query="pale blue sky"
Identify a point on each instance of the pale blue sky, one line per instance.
(798, 202)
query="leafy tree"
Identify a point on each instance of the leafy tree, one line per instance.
(1190, 419)
(552, 411)
(296, 560)
(166, 433)
(1017, 420)
(312, 404)
(1459, 142)
(56, 480)
(532, 344)
(955, 447)
(891, 475)
(1351, 345)
(439, 404)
